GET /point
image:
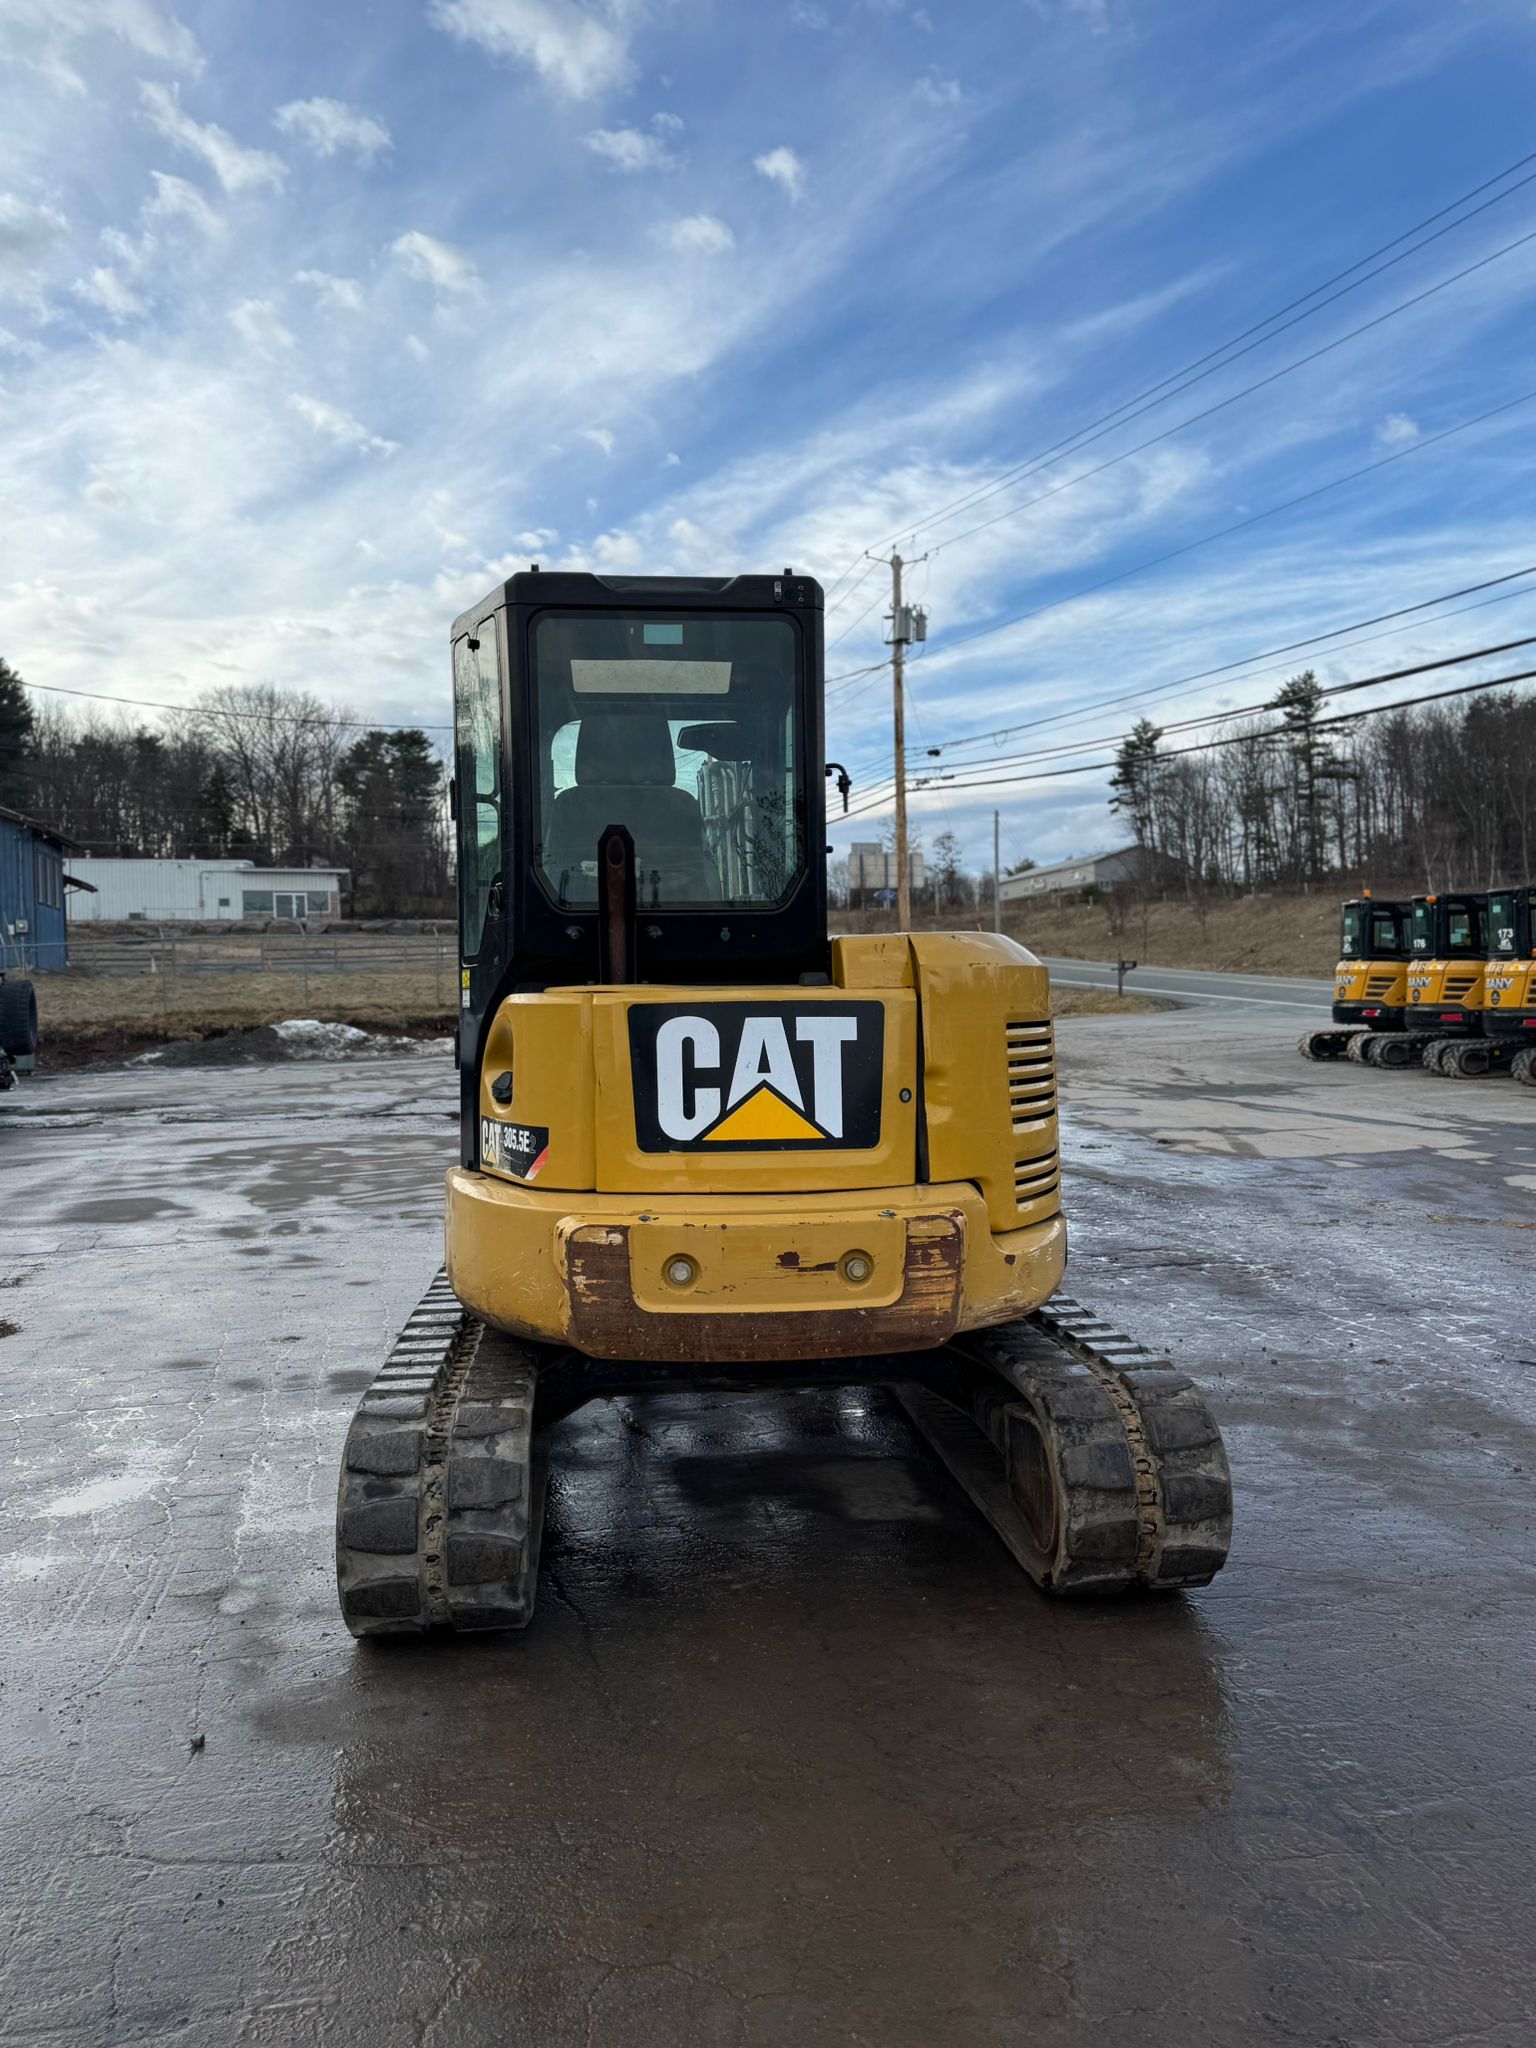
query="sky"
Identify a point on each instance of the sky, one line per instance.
(317, 319)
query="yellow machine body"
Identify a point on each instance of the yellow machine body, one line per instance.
(1510, 985)
(1368, 982)
(1445, 984)
(784, 1242)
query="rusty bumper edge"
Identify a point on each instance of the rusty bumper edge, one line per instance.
(606, 1321)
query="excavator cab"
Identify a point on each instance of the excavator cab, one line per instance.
(1450, 951)
(706, 1145)
(1509, 1010)
(1371, 980)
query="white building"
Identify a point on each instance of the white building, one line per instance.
(872, 868)
(202, 891)
(1093, 871)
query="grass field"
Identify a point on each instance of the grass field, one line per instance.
(1285, 933)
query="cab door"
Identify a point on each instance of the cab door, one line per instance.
(482, 831)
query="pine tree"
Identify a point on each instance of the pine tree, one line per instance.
(16, 723)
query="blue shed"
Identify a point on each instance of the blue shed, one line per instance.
(32, 926)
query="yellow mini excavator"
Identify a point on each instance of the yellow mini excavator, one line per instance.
(1509, 983)
(705, 1146)
(1370, 985)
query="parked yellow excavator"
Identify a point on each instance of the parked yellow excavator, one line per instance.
(704, 1145)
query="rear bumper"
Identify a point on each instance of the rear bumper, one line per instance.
(1378, 1016)
(769, 1279)
(1444, 1019)
(1511, 1024)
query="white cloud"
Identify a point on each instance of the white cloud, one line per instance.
(600, 438)
(670, 461)
(938, 92)
(340, 294)
(418, 348)
(700, 234)
(29, 233)
(175, 199)
(257, 323)
(1397, 430)
(340, 426)
(13, 345)
(670, 124)
(579, 52)
(784, 168)
(629, 149)
(237, 169)
(436, 263)
(37, 33)
(331, 126)
(106, 289)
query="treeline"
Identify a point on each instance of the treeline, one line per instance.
(1442, 795)
(248, 772)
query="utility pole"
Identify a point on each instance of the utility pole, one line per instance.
(899, 711)
(997, 871)
(907, 623)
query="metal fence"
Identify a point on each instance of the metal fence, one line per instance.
(301, 954)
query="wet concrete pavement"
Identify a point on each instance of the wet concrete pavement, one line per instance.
(792, 1753)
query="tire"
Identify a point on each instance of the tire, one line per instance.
(18, 1019)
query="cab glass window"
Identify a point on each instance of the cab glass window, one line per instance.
(1386, 932)
(1424, 928)
(1349, 935)
(1501, 923)
(687, 732)
(1462, 932)
(477, 773)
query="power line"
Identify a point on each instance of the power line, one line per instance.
(205, 711)
(1286, 369)
(1236, 739)
(936, 780)
(1239, 525)
(1113, 739)
(1248, 661)
(1174, 378)
(1077, 442)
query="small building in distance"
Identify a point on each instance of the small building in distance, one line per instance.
(204, 891)
(33, 932)
(1128, 864)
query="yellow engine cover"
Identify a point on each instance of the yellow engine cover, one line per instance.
(867, 1165)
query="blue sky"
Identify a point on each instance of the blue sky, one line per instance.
(314, 319)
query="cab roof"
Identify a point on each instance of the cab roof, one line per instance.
(573, 587)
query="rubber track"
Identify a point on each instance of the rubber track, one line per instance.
(1185, 1497)
(1144, 1494)
(440, 1501)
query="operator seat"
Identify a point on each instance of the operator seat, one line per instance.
(626, 775)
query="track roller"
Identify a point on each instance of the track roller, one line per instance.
(1327, 1045)
(1467, 1061)
(441, 1499)
(1523, 1066)
(1390, 1051)
(1097, 1464)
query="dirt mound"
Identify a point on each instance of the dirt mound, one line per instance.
(297, 1038)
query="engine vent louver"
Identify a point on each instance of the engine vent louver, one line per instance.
(1031, 1107)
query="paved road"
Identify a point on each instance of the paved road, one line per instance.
(791, 1754)
(1232, 991)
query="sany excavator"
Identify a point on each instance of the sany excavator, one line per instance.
(705, 1146)
(1370, 985)
(1509, 986)
(1446, 981)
